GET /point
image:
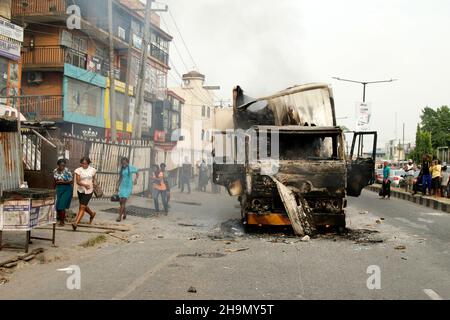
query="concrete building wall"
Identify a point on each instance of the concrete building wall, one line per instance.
(197, 122)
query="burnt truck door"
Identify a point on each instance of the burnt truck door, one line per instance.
(229, 159)
(361, 162)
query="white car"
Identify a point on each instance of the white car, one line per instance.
(396, 177)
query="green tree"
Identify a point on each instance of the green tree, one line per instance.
(437, 122)
(423, 145)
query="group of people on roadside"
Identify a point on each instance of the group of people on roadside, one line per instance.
(85, 178)
(433, 178)
(204, 177)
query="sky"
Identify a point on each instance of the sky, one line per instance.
(265, 46)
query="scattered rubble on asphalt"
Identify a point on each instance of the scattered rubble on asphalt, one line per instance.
(236, 250)
(202, 255)
(364, 212)
(192, 225)
(401, 247)
(306, 238)
(94, 241)
(199, 204)
(192, 290)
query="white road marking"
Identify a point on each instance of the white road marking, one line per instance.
(436, 214)
(425, 220)
(143, 278)
(432, 294)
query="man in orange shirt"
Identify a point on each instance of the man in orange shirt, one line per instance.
(160, 188)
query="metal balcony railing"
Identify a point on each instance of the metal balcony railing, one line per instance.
(38, 108)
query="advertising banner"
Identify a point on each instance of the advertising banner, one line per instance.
(363, 116)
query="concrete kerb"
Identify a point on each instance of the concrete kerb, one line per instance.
(437, 204)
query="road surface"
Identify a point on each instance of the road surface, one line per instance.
(169, 254)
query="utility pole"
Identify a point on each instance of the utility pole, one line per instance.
(126, 108)
(403, 144)
(365, 83)
(146, 41)
(112, 88)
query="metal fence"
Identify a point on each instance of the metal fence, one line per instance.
(10, 168)
(106, 156)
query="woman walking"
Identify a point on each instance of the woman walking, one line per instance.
(63, 184)
(125, 185)
(85, 178)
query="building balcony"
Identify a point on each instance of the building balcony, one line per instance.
(42, 108)
(53, 58)
(38, 8)
(49, 57)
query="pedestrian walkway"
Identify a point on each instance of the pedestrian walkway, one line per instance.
(437, 203)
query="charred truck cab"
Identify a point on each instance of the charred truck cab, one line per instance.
(286, 160)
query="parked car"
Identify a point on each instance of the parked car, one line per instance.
(396, 177)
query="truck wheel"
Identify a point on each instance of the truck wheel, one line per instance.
(341, 230)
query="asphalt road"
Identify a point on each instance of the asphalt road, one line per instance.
(165, 258)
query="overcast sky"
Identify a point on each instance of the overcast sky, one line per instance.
(267, 45)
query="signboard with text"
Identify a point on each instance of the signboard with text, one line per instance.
(9, 50)
(363, 116)
(11, 30)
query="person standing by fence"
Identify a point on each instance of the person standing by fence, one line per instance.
(64, 191)
(85, 178)
(125, 185)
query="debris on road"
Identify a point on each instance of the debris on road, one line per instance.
(192, 238)
(192, 290)
(306, 238)
(401, 247)
(202, 255)
(378, 221)
(105, 227)
(94, 241)
(118, 237)
(25, 257)
(236, 250)
(10, 265)
(364, 212)
(199, 204)
(192, 225)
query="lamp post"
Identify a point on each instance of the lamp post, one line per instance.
(365, 83)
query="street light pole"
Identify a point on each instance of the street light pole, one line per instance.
(365, 83)
(112, 89)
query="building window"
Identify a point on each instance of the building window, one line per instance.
(203, 134)
(209, 112)
(203, 111)
(84, 98)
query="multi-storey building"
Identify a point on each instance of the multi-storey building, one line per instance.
(197, 118)
(11, 38)
(65, 71)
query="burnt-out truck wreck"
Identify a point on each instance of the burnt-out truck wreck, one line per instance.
(286, 160)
